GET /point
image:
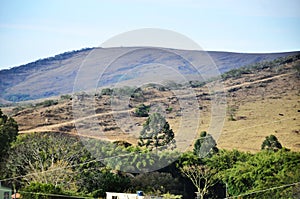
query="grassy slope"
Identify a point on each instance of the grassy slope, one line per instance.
(265, 103)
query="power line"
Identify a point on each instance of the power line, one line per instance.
(264, 190)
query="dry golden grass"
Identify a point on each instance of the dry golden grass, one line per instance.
(263, 118)
(266, 103)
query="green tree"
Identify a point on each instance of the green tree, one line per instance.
(155, 183)
(41, 156)
(264, 170)
(31, 191)
(187, 158)
(8, 133)
(205, 145)
(156, 133)
(271, 143)
(226, 159)
(106, 91)
(142, 111)
(98, 182)
(133, 159)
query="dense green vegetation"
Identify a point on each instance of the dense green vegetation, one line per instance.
(142, 110)
(46, 165)
(8, 133)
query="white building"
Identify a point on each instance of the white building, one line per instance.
(110, 195)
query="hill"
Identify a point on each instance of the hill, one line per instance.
(56, 75)
(261, 99)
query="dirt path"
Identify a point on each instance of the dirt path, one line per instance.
(49, 128)
(256, 81)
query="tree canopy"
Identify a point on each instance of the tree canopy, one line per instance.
(156, 133)
(204, 145)
(271, 143)
(8, 133)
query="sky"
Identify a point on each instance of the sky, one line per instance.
(33, 29)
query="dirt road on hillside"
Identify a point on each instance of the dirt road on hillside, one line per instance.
(50, 128)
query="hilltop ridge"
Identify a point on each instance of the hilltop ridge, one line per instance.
(56, 75)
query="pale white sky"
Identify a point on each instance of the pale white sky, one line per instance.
(30, 29)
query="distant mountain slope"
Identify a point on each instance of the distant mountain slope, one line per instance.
(56, 75)
(261, 100)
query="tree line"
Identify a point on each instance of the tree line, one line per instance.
(60, 164)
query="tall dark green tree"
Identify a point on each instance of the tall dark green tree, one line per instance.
(8, 133)
(271, 143)
(156, 133)
(205, 145)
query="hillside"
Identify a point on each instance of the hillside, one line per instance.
(56, 75)
(261, 100)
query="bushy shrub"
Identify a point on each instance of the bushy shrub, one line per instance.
(47, 103)
(142, 110)
(106, 91)
(66, 97)
(196, 84)
(31, 191)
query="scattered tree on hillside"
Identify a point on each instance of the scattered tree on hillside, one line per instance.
(8, 133)
(142, 110)
(156, 133)
(106, 91)
(204, 145)
(271, 143)
(232, 113)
